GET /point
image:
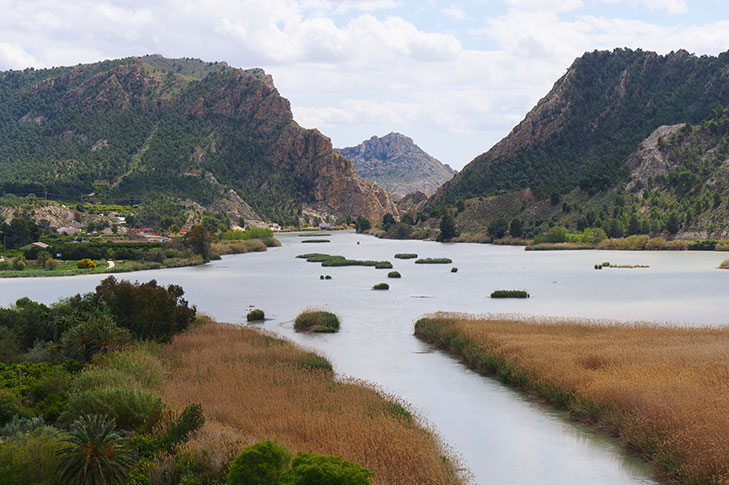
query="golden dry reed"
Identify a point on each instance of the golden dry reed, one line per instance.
(664, 390)
(253, 386)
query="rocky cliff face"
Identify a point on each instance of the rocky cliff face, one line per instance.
(140, 128)
(396, 163)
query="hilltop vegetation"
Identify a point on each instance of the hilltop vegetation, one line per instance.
(628, 141)
(136, 129)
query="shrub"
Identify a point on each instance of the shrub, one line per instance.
(406, 256)
(30, 457)
(316, 321)
(262, 463)
(129, 407)
(509, 294)
(381, 286)
(255, 316)
(454, 270)
(19, 264)
(96, 453)
(433, 261)
(311, 360)
(86, 263)
(393, 274)
(313, 469)
(190, 420)
(97, 335)
(52, 264)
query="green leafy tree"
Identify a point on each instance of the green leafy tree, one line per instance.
(516, 227)
(313, 469)
(199, 240)
(387, 221)
(262, 463)
(362, 224)
(497, 229)
(97, 335)
(447, 228)
(96, 453)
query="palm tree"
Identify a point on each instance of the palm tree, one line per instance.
(96, 453)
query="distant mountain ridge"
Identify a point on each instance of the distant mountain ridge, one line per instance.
(397, 164)
(140, 128)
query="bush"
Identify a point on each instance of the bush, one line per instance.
(262, 463)
(190, 420)
(19, 264)
(86, 263)
(406, 256)
(97, 335)
(255, 316)
(393, 274)
(313, 469)
(509, 294)
(381, 286)
(52, 264)
(129, 407)
(433, 261)
(31, 457)
(316, 321)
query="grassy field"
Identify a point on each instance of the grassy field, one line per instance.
(664, 391)
(253, 386)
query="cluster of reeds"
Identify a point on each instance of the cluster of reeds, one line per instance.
(643, 242)
(406, 256)
(661, 389)
(394, 274)
(329, 260)
(239, 246)
(253, 386)
(316, 241)
(433, 261)
(381, 286)
(317, 321)
(256, 315)
(509, 294)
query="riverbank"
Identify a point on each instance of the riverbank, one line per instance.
(254, 386)
(660, 389)
(20, 268)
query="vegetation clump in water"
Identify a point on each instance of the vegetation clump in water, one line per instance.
(317, 321)
(316, 241)
(256, 315)
(509, 294)
(454, 270)
(330, 261)
(406, 256)
(381, 286)
(393, 274)
(433, 261)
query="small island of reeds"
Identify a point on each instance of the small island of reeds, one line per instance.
(406, 256)
(256, 315)
(509, 294)
(315, 241)
(330, 261)
(660, 389)
(393, 274)
(316, 321)
(433, 261)
(381, 286)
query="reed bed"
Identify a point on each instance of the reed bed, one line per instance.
(663, 390)
(253, 386)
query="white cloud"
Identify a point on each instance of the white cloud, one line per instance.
(546, 5)
(671, 6)
(13, 56)
(454, 12)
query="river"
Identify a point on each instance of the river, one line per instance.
(500, 436)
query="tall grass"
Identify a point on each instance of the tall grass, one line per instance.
(253, 386)
(661, 389)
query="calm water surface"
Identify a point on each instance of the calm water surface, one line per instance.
(501, 436)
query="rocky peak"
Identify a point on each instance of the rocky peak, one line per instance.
(396, 163)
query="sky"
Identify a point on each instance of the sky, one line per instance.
(454, 76)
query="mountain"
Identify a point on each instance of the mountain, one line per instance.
(583, 131)
(143, 128)
(397, 164)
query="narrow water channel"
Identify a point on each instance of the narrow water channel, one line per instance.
(501, 436)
